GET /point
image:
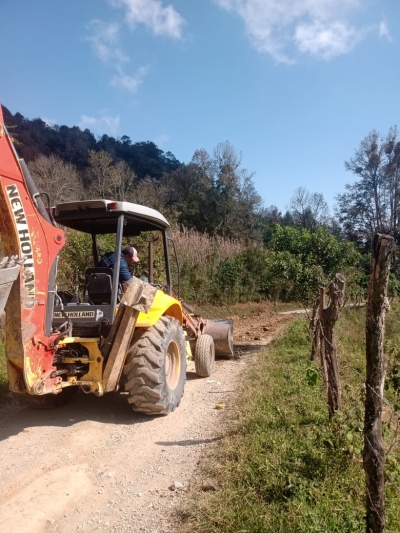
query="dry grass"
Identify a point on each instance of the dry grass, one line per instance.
(196, 248)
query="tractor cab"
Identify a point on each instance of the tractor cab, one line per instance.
(92, 313)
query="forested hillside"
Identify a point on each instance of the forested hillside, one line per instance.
(35, 137)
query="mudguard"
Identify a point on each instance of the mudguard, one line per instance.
(163, 304)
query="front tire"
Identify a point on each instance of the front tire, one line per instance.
(204, 356)
(155, 368)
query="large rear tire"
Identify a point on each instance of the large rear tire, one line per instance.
(204, 356)
(155, 369)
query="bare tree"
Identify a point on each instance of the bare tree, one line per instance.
(99, 173)
(152, 193)
(309, 210)
(121, 181)
(56, 177)
(108, 179)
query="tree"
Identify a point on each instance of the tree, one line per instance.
(269, 217)
(309, 210)
(122, 180)
(56, 177)
(189, 187)
(235, 201)
(107, 179)
(152, 193)
(99, 173)
(372, 203)
(301, 262)
(212, 194)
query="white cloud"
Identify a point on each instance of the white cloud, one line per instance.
(151, 13)
(284, 28)
(326, 40)
(50, 122)
(131, 83)
(105, 123)
(104, 37)
(384, 30)
(161, 140)
(104, 40)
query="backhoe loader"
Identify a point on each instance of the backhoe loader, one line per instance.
(103, 338)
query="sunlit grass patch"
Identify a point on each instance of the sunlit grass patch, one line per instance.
(283, 466)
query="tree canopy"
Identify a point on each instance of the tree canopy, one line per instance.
(302, 261)
(372, 202)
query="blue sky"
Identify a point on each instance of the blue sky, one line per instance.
(294, 85)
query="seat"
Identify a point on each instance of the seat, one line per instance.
(99, 285)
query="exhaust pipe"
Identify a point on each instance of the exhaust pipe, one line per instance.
(222, 333)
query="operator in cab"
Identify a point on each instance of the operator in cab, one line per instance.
(128, 257)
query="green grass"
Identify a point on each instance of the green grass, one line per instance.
(282, 466)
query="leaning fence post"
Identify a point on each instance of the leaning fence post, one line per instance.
(314, 329)
(374, 452)
(329, 317)
(321, 337)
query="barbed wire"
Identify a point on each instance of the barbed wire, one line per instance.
(392, 409)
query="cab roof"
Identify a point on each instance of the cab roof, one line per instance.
(101, 216)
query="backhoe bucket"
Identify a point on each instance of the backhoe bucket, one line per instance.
(7, 278)
(222, 333)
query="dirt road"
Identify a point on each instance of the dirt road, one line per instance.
(95, 466)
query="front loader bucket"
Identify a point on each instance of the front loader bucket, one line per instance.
(222, 333)
(7, 278)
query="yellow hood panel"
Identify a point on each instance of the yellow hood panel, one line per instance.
(163, 304)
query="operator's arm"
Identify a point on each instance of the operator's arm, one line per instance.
(124, 274)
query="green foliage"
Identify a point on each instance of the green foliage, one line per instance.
(313, 376)
(243, 277)
(219, 270)
(393, 286)
(302, 261)
(392, 348)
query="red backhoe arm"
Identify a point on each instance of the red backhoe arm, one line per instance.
(30, 342)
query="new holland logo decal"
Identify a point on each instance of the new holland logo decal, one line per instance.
(25, 244)
(75, 314)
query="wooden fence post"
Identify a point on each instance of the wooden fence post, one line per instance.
(374, 452)
(322, 338)
(314, 328)
(328, 318)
